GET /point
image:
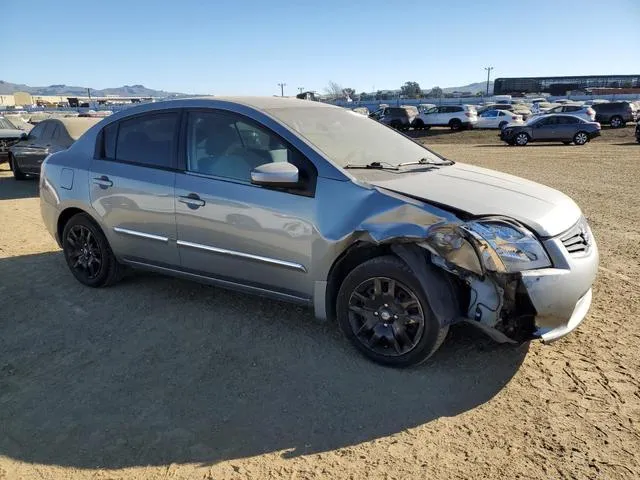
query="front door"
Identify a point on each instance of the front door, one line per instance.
(231, 229)
(545, 129)
(132, 187)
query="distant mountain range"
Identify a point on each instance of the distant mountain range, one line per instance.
(472, 87)
(7, 88)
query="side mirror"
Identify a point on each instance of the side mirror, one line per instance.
(276, 174)
(24, 135)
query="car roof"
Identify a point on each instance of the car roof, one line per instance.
(266, 103)
(75, 126)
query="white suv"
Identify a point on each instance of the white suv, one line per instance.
(455, 117)
(584, 112)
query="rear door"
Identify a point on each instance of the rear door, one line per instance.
(487, 119)
(567, 127)
(132, 186)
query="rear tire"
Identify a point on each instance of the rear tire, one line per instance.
(391, 325)
(455, 125)
(580, 138)
(418, 124)
(17, 173)
(617, 122)
(502, 125)
(88, 253)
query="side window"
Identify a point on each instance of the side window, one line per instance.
(148, 139)
(36, 132)
(568, 120)
(109, 135)
(55, 135)
(227, 145)
(47, 131)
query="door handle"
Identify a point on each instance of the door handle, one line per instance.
(103, 182)
(193, 201)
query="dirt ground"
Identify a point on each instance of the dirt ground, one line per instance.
(162, 378)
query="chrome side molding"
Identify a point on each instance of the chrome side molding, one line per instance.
(135, 233)
(233, 253)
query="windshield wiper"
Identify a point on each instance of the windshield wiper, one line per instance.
(374, 166)
(426, 161)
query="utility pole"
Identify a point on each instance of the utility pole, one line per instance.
(488, 69)
(282, 85)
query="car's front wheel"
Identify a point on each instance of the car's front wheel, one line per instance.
(455, 125)
(580, 138)
(88, 253)
(17, 173)
(384, 312)
(522, 139)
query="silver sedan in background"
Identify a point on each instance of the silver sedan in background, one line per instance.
(311, 203)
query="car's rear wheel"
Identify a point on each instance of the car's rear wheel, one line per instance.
(17, 173)
(418, 124)
(455, 124)
(580, 138)
(88, 254)
(502, 125)
(522, 139)
(384, 312)
(617, 122)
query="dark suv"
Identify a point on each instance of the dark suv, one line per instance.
(616, 114)
(396, 117)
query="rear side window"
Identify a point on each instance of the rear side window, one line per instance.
(109, 135)
(149, 140)
(568, 120)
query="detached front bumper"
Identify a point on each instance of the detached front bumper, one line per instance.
(562, 295)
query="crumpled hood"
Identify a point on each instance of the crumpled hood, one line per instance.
(10, 133)
(480, 191)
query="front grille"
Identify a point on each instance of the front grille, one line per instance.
(577, 240)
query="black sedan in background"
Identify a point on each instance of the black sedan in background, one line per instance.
(48, 136)
(551, 128)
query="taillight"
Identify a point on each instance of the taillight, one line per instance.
(591, 111)
(468, 114)
(514, 118)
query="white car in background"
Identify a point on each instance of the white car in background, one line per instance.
(498, 119)
(456, 117)
(585, 112)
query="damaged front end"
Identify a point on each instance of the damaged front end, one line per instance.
(483, 257)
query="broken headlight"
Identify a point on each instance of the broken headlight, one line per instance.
(508, 247)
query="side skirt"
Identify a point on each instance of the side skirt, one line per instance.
(219, 282)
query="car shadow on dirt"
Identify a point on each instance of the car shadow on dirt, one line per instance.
(10, 188)
(156, 370)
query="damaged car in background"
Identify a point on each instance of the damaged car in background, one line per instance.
(393, 241)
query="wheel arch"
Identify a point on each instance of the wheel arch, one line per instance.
(66, 215)
(355, 254)
(444, 297)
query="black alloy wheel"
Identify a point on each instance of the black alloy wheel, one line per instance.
(383, 310)
(386, 316)
(83, 254)
(88, 254)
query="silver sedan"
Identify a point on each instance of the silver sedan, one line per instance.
(315, 204)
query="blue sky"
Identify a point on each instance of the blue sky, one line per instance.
(247, 47)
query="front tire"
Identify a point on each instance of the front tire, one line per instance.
(88, 254)
(522, 139)
(580, 138)
(385, 314)
(17, 173)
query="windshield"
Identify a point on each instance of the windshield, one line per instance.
(6, 124)
(349, 138)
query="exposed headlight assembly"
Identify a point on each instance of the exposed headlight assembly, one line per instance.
(506, 246)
